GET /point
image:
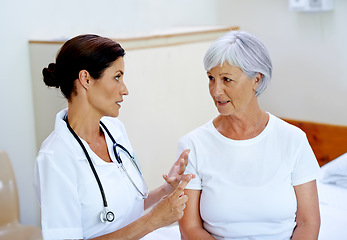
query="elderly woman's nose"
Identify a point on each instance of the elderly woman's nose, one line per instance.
(217, 88)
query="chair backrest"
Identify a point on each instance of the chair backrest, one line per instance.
(9, 208)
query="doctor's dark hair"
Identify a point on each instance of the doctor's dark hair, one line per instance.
(84, 52)
(242, 50)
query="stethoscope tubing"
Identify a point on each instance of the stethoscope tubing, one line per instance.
(90, 163)
(143, 195)
(119, 160)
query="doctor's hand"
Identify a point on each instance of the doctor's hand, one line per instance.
(170, 208)
(176, 174)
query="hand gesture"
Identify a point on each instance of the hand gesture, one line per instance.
(170, 208)
(176, 175)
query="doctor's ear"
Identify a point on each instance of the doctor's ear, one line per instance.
(84, 78)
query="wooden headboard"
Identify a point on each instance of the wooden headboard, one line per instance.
(327, 141)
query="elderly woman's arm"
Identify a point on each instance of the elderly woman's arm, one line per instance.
(191, 223)
(307, 216)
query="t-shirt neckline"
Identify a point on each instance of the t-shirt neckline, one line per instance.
(244, 141)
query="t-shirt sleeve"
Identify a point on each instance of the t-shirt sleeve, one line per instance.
(191, 168)
(58, 195)
(306, 167)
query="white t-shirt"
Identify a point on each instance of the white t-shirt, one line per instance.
(247, 185)
(67, 190)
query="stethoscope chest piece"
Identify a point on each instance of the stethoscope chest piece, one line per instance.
(107, 216)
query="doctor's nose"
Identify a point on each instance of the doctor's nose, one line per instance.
(124, 89)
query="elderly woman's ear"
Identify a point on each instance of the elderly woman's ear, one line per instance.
(257, 80)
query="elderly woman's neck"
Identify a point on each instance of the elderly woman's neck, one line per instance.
(242, 125)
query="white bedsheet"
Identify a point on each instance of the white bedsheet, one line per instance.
(333, 210)
(166, 233)
(333, 223)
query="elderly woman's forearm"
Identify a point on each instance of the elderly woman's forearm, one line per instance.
(307, 231)
(196, 234)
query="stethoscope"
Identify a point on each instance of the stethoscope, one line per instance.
(106, 215)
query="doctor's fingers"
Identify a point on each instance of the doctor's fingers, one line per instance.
(174, 181)
(187, 177)
(183, 158)
(177, 205)
(180, 188)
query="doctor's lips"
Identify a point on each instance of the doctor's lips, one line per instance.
(119, 102)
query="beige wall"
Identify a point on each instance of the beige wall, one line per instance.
(309, 54)
(21, 21)
(167, 98)
(308, 51)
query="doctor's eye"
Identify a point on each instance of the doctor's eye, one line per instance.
(118, 77)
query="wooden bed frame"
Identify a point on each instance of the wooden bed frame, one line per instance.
(327, 141)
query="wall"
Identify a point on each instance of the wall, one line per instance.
(158, 110)
(21, 21)
(308, 53)
(309, 56)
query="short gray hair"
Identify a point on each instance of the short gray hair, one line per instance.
(242, 50)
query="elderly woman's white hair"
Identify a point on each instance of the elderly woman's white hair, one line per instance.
(242, 50)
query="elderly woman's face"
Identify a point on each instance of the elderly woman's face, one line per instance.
(231, 89)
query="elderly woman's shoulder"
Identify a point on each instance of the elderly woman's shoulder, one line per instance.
(201, 132)
(285, 127)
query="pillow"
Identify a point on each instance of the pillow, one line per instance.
(335, 172)
(332, 196)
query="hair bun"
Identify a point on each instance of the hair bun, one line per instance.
(49, 76)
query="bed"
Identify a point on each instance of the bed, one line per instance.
(329, 143)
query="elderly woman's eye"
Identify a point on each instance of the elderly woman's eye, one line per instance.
(210, 78)
(227, 79)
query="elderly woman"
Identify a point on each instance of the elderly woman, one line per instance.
(86, 176)
(255, 173)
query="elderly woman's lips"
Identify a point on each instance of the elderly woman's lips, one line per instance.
(222, 103)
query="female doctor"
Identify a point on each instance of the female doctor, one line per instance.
(86, 177)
